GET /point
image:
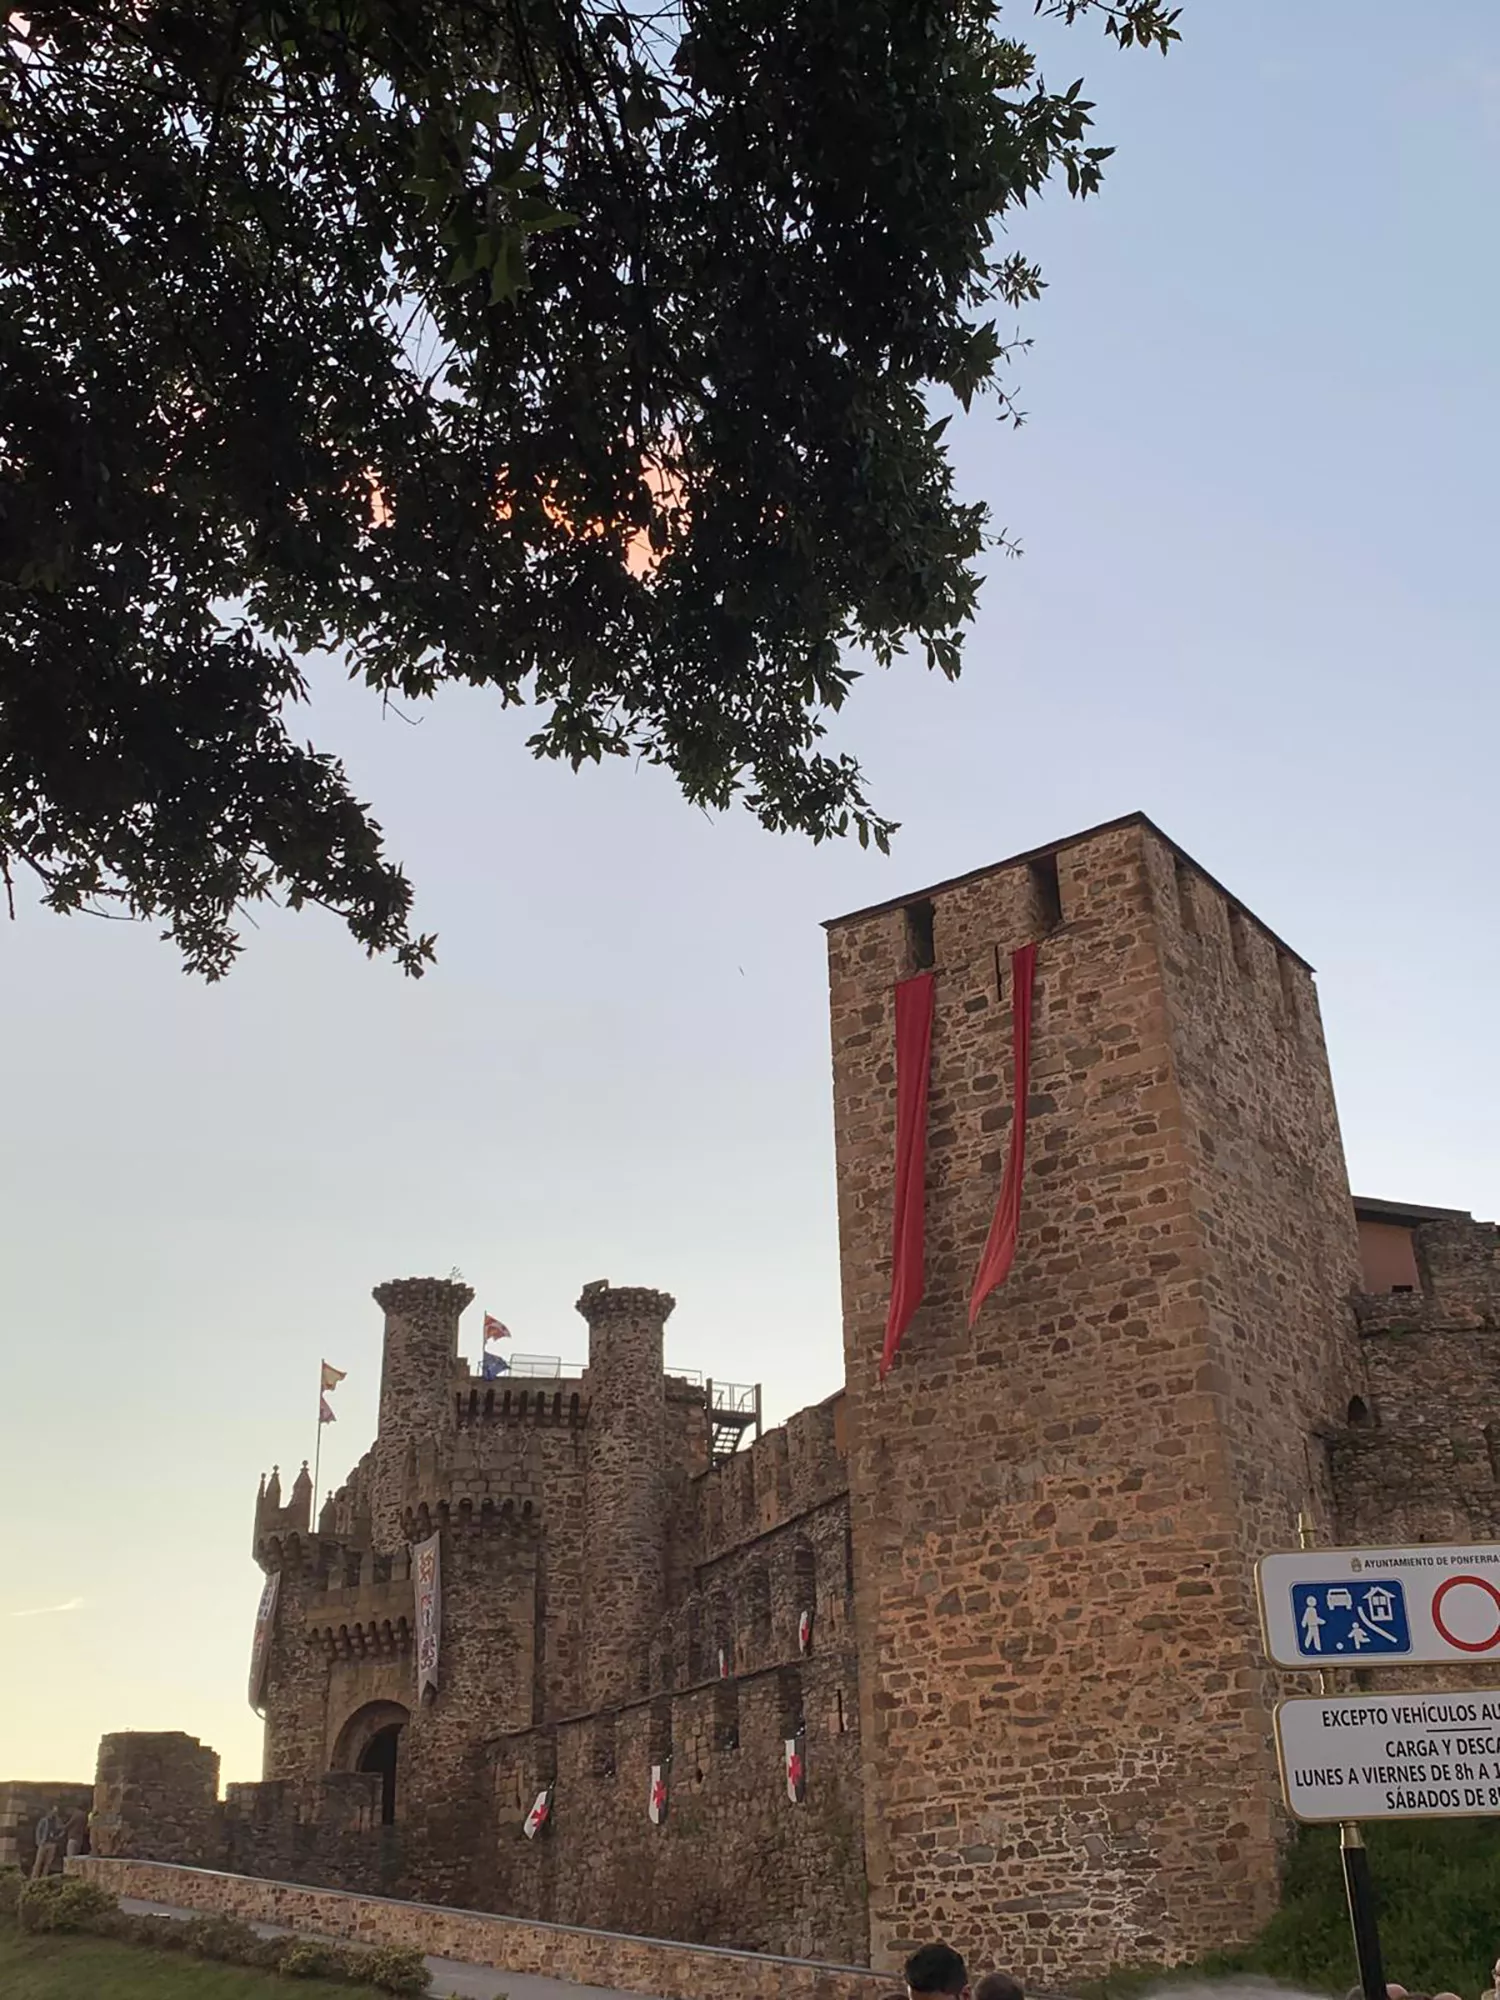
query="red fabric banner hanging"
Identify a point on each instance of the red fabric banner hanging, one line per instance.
(1000, 1245)
(908, 1245)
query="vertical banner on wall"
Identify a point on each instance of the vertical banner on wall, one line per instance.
(804, 1632)
(914, 999)
(260, 1646)
(427, 1577)
(656, 1799)
(1000, 1247)
(540, 1815)
(796, 1769)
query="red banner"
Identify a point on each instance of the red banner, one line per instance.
(908, 1232)
(1000, 1245)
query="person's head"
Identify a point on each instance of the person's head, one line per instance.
(998, 1986)
(937, 1970)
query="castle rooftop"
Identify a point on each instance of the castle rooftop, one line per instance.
(1058, 847)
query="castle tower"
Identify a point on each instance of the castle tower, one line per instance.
(416, 1384)
(625, 1487)
(1064, 1708)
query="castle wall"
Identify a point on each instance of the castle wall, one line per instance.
(1424, 1462)
(22, 1803)
(156, 1794)
(736, 1862)
(1067, 1760)
(1270, 1194)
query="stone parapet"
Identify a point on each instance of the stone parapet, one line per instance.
(507, 1944)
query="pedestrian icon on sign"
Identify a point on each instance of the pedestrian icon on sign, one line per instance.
(1351, 1620)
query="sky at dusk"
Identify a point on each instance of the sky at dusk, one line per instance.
(1258, 601)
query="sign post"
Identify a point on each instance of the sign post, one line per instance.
(1353, 1854)
(1348, 1758)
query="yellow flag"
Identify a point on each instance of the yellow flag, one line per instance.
(332, 1376)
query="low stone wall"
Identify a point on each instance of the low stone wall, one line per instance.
(508, 1944)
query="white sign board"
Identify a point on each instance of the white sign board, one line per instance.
(1405, 1756)
(1373, 1607)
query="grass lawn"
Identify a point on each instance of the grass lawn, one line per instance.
(84, 1968)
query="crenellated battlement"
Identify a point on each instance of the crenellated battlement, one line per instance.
(508, 1518)
(271, 1517)
(784, 1473)
(517, 1399)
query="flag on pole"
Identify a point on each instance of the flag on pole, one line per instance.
(491, 1366)
(325, 1411)
(332, 1376)
(540, 1814)
(495, 1329)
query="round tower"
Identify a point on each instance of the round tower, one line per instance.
(625, 1483)
(416, 1385)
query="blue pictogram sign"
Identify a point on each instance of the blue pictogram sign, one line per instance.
(1347, 1620)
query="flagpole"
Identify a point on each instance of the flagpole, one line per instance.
(317, 1454)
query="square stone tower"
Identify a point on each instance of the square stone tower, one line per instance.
(1065, 1711)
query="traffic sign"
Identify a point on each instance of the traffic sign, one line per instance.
(1409, 1756)
(1371, 1607)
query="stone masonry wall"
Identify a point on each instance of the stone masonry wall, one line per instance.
(419, 1366)
(1423, 1465)
(1065, 1761)
(22, 1804)
(1271, 1198)
(674, 1971)
(156, 1794)
(624, 1563)
(736, 1862)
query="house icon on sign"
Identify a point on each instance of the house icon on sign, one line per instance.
(1380, 1605)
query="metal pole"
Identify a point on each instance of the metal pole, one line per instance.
(1361, 1893)
(312, 1525)
(1355, 1856)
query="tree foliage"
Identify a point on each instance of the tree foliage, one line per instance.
(577, 349)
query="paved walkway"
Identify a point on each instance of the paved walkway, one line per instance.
(449, 1975)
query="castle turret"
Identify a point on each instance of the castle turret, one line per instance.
(625, 1486)
(416, 1380)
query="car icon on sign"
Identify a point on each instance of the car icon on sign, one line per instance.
(1340, 1600)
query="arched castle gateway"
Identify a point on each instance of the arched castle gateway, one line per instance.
(973, 1651)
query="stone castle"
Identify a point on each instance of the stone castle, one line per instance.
(969, 1652)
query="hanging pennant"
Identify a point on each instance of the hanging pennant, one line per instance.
(260, 1646)
(1000, 1246)
(656, 1799)
(723, 1665)
(914, 998)
(427, 1577)
(796, 1769)
(804, 1632)
(540, 1815)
